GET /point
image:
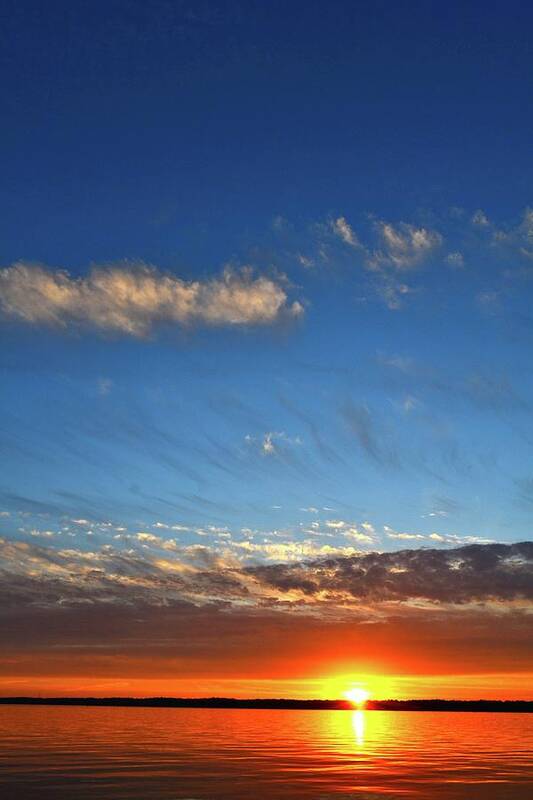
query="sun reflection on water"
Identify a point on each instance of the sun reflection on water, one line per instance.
(276, 754)
(358, 725)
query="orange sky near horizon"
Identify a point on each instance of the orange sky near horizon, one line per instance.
(463, 654)
(503, 686)
(331, 685)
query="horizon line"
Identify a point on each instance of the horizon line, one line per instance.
(413, 704)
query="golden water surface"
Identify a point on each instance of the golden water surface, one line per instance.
(204, 754)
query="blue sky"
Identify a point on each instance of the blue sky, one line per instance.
(266, 275)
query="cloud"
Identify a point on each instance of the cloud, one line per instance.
(455, 260)
(66, 612)
(344, 231)
(392, 291)
(267, 446)
(444, 538)
(133, 298)
(488, 300)
(358, 535)
(158, 571)
(520, 239)
(480, 219)
(404, 536)
(472, 573)
(305, 261)
(404, 246)
(400, 248)
(525, 233)
(272, 442)
(104, 386)
(293, 551)
(410, 403)
(372, 441)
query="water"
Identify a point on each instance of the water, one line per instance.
(211, 754)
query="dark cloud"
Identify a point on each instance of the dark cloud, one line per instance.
(159, 572)
(474, 573)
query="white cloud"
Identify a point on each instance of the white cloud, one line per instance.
(131, 299)
(409, 403)
(293, 551)
(269, 444)
(305, 261)
(344, 231)
(407, 536)
(488, 300)
(148, 539)
(447, 538)
(455, 260)
(360, 536)
(404, 246)
(392, 292)
(480, 219)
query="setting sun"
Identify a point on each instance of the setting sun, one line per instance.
(358, 696)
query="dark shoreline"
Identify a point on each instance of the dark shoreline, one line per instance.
(523, 706)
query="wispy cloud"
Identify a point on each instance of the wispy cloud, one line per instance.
(480, 219)
(272, 442)
(132, 299)
(404, 246)
(373, 442)
(104, 386)
(344, 231)
(518, 238)
(455, 260)
(390, 251)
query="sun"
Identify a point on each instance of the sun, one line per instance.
(357, 695)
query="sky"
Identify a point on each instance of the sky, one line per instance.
(266, 273)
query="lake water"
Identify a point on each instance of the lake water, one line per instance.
(210, 754)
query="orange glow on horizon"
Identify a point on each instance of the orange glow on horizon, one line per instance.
(498, 686)
(359, 687)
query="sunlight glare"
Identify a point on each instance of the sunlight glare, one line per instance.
(357, 695)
